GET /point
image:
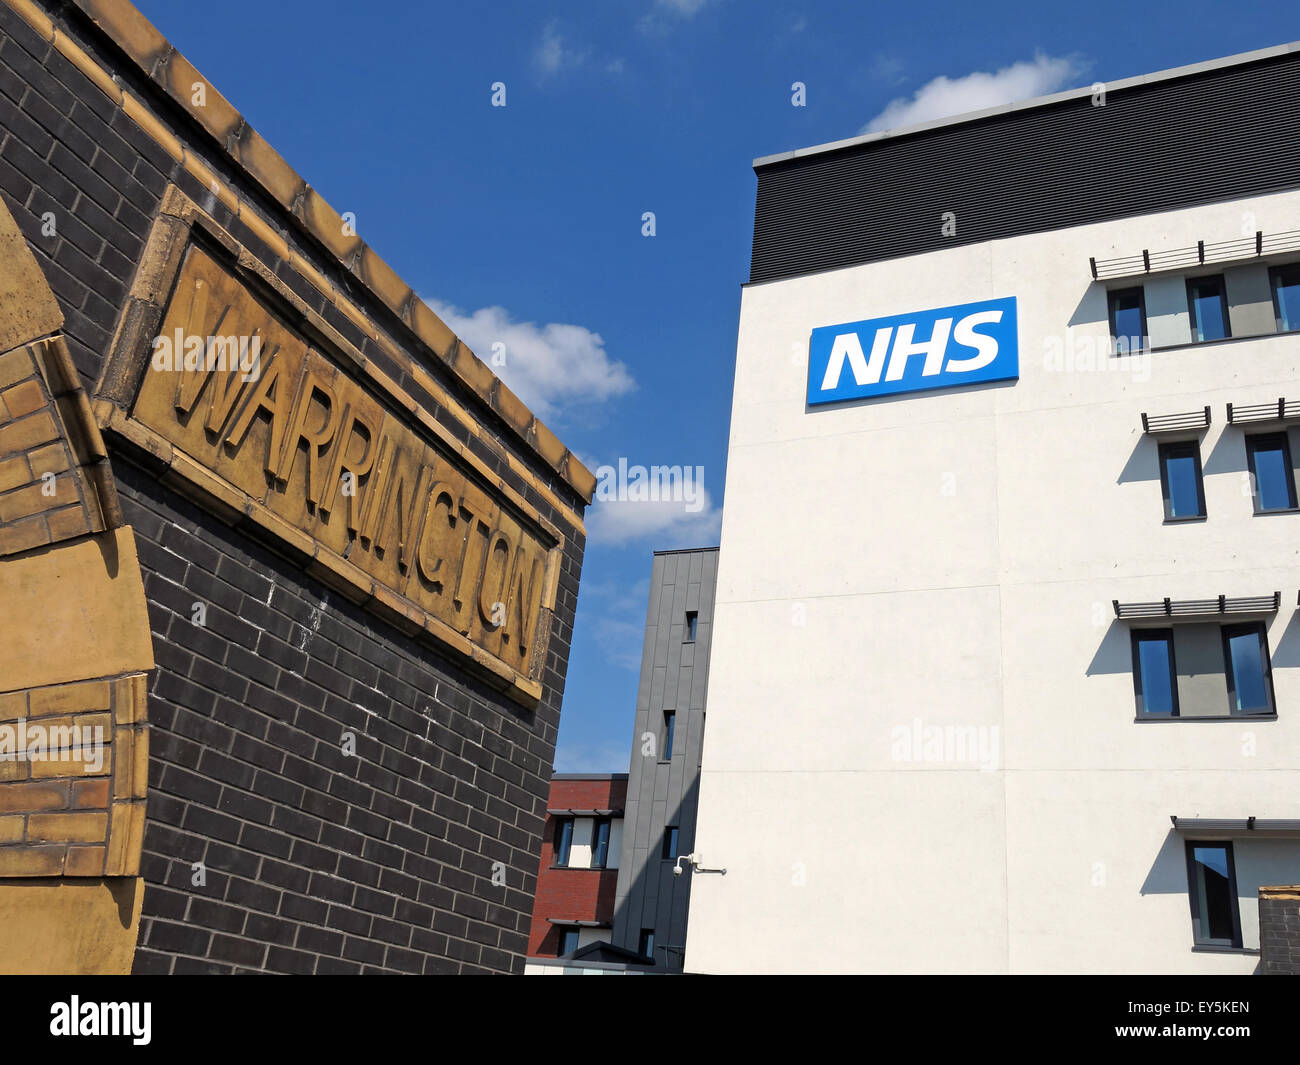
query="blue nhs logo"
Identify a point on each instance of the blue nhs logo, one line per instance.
(943, 348)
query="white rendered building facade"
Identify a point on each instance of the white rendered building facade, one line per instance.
(1005, 672)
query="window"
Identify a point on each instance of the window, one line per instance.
(600, 843)
(670, 726)
(1186, 671)
(1250, 675)
(1180, 481)
(1212, 885)
(645, 946)
(670, 843)
(563, 840)
(1208, 305)
(1153, 672)
(1285, 282)
(568, 941)
(1128, 320)
(1271, 475)
(692, 619)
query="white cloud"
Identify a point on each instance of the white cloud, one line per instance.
(553, 54)
(665, 13)
(592, 758)
(665, 523)
(684, 8)
(549, 367)
(619, 620)
(888, 68)
(944, 96)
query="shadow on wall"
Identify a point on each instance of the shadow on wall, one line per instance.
(1114, 653)
(1286, 653)
(1168, 876)
(1228, 456)
(664, 898)
(903, 397)
(1168, 873)
(1092, 307)
(1143, 464)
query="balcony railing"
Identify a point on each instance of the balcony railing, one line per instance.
(1238, 250)
(1281, 410)
(1222, 605)
(1174, 423)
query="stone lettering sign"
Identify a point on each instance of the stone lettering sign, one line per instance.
(291, 435)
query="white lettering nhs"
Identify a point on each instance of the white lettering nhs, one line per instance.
(866, 371)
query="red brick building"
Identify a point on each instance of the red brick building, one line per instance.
(578, 871)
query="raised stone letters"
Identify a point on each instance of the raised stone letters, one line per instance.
(276, 416)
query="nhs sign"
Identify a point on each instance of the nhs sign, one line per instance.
(943, 348)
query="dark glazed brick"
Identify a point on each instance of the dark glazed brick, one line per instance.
(238, 951)
(315, 861)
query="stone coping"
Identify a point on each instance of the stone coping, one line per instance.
(163, 65)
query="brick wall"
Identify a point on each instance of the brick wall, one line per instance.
(312, 861)
(575, 894)
(1279, 931)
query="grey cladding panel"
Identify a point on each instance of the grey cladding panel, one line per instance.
(1250, 301)
(660, 794)
(696, 568)
(1198, 658)
(1215, 135)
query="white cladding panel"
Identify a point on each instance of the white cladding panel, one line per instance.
(922, 753)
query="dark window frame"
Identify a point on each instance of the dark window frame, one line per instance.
(1266, 659)
(1223, 307)
(1112, 296)
(1194, 901)
(565, 932)
(560, 824)
(692, 626)
(1252, 440)
(668, 736)
(1175, 449)
(669, 850)
(1274, 273)
(1137, 636)
(597, 823)
(641, 944)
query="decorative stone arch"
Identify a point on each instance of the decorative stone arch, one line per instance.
(75, 650)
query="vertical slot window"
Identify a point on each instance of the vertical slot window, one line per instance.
(1212, 884)
(1181, 481)
(1128, 320)
(1154, 680)
(1271, 475)
(1285, 283)
(1208, 303)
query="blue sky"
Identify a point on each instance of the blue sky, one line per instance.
(523, 224)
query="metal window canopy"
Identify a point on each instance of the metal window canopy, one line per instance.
(566, 922)
(1192, 609)
(1226, 252)
(1234, 826)
(585, 813)
(1281, 411)
(1192, 421)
